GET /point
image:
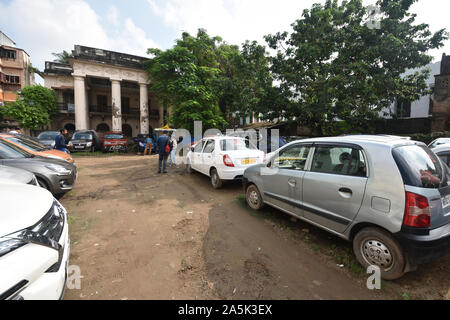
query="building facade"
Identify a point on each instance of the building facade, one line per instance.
(441, 100)
(104, 91)
(15, 69)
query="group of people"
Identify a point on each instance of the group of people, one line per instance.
(167, 147)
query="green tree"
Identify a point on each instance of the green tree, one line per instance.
(183, 78)
(335, 66)
(62, 57)
(34, 107)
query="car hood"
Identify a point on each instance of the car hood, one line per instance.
(22, 206)
(14, 175)
(33, 164)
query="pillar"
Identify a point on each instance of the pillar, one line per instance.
(81, 112)
(116, 106)
(161, 116)
(144, 108)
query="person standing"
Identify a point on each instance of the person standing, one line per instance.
(148, 146)
(163, 144)
(173, 153)
(60, 141)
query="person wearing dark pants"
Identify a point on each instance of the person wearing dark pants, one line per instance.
(163, 142)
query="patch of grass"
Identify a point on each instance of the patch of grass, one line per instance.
(315, 248)
(405, 296)
(347, 258)
(71, 220)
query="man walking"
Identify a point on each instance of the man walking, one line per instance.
(60, 141)
(163, 144)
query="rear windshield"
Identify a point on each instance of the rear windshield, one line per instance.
(420, 167)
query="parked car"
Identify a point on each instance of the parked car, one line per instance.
(14, 175)
(389, 196)
(85, 141)
(115, 141)
(439, 142)
(47, 138)
(443, 152)
(34, 244)
(37, 148)
(222, 158)
(57, 176)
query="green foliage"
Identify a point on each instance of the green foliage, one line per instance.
(334, 67)
(206, 79)
(62, 57)
(33, 108)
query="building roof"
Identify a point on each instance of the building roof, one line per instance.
(4, 37)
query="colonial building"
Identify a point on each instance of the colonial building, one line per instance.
(15, 69)
(441, 102)
(103, 90)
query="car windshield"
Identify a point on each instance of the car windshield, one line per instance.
(8, 151)
(420, 167)
(439, 142)
(82, 136)
(233, 144)
(114, 136)
(48, 135)
(27, 144)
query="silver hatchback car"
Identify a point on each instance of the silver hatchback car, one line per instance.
(389, 196)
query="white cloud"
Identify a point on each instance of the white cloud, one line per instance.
(48, 26)
(113, 15)
(240, 20)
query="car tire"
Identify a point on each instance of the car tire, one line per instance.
(216, 182)
(375, 246)
(189, 169)
(253, 198)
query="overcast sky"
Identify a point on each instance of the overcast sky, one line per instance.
(45, 26)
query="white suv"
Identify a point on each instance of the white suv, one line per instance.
(223, 158)
(34, 244)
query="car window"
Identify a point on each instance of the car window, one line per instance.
(210, 146)
(233, 144)
(419, 167)
(293, 158)
(82, 136)
(48, 135)
(445, 157)
(199, 146)
(8, 152)
(339, 160)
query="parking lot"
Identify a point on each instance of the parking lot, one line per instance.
(139, 235)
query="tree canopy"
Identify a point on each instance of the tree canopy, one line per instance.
(335, 66)
(62, 57)
(35, 106)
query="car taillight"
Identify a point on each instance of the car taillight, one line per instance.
(227, 161)
(417, 211)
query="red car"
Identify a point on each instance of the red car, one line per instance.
(114, 142)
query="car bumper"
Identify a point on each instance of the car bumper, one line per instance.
(79, 148)
(426, 248)
(63, 184)
(51, 285)
(232, 174)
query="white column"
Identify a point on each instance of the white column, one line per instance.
(144, 108)
(116, 106)
(81, 112)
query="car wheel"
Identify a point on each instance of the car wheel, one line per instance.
(254, 198)
(216, 182)
(374, 246)
(189, 168)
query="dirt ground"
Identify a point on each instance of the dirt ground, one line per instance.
(140, 235)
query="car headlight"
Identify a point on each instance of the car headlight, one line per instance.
(46, 232)
(70, 144)
(53, 144)
(60, 170)
(89, 144)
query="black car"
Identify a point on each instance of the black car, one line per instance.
(87, 140)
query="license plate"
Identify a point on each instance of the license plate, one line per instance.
(248, 161)
(445, 201)
(79, 147)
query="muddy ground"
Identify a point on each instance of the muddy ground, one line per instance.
(140, 235)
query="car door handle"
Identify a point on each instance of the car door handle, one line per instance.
(346, 192)
(292, 183)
